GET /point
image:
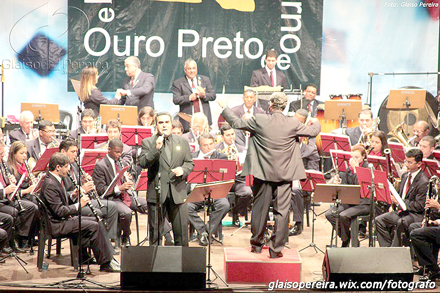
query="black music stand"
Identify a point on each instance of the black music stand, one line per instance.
(342, 110)
(337, 194)
(408, 99)
(210, 187)
(312, 178)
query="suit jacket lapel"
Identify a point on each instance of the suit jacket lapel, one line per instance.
(186, 84)
(266, 76)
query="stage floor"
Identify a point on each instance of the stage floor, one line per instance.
(14, 278)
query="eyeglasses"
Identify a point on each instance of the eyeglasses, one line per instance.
(49, 131)
(409, 162)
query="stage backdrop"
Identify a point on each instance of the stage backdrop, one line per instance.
(227, 38)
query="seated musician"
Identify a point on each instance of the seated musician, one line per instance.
(20, 222)
(114, 132)
(378, 143)
(103, 174)
(26, 131)
(199, 125)
(109, 210)
(357, 134)
(176, 127)
(242, 193)
(413, 187)
(26, 222)
(347, 213)
(146, 116)
(425, 239)
(308, 102)
(88, 126)
(427, 145)
(46, 138)
(221, 206)
(63, 217)
(420, 130)
(310, 158)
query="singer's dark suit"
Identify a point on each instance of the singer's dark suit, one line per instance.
(181, 92)
(274, 159)
(64, 221)
(260, 77)
(142, 91)
(103, 175)
(96, 99)
(109, 210)
(240, 136)
(304, 104)
(221, 206)
(173, 189)
(400, 220)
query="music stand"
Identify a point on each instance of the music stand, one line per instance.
(88, 141)
(312, 178)
(127, 115)
(378, 186)
(337, 194)
(43, 161)
(430, 167)
(379, 163)
(43, 111)
(340, 160)
(334, 142)
(92, 156)
(436, 155)
(342, 110)
(397, 152)
(206, 173)
(133, 135)
(408, 99)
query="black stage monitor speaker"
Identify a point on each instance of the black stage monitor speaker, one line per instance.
(374, 265)
(163, 268)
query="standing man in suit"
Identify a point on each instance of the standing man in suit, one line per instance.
(356, 134)
(168, 159)
(274, 159)
(413, 189)
(37, 146)
(268, 75)
(220, 206)
(103, 174)
(193, 92)
(63, 215)
(308, 102)
(25, 132)
(138, 86)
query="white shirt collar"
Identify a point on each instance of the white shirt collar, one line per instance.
(56, 176)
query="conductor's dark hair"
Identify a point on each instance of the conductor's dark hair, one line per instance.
(58, 159)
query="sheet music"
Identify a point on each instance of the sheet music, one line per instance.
(397, 196)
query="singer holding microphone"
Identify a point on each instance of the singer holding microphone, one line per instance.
(169, 162)
(193, 92)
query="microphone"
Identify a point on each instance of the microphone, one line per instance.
(371, 167)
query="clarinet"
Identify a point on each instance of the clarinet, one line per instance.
(92, 208)
(429, 195)
(133, 191)
(32, 177)
(13, 180)
(93, 193)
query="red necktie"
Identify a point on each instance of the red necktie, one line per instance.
(196, 103)
(407, 184)
(310, 107)
(124, 195)
(132, 82)
(271, 79)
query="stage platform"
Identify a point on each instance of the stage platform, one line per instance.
(13, 278)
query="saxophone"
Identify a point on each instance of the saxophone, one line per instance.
(13, 180)
(231, 151)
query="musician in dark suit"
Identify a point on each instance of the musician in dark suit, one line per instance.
(25, 132)
(426, 240)
(241, 199)
(63, 217)
(87, 124)
(308, 102)
(138, 86)
(274, 159)
(109, 211)
(193, 92)
(36, 147)
(220, 206)
(420, 130)
(427, 146)
(103, 174)
(199, 125)
(268, 75)
(412, 190)
(168, 159)
(365, 119)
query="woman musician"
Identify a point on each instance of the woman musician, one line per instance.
(89, 94)
(378, 143)
(347, 213)
(24, 210)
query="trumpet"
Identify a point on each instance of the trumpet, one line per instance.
(231, 151)
(53, 144)
(92, 208)
(95, 127)
(365, 137)
(13, 180)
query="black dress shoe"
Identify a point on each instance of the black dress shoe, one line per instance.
(16, 247)
(236, 223)
(420, 271)
(296, 229)
(276, 255)
(126, 242)
(345, 243)
(434, 275)
(203, 239)
(110, 267)
(255, 249)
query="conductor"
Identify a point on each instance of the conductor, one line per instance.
(274, 159)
